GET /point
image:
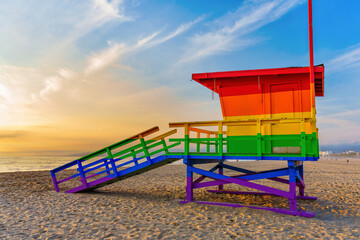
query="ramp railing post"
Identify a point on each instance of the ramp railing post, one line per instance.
(163, 142)
(107, 167)
(134, 157)
(146, 151)
(82, 174)
(111, 159)
(56, 185)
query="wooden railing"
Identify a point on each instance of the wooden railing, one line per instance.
(107, 161)
(220, 139)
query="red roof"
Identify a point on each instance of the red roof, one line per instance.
(319, 75)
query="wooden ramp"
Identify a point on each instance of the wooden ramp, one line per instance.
(127, 158)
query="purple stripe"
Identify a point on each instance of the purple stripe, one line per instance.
(258, 193)
(66, 179)
(90, 184)
(241, 182)
(93, 175)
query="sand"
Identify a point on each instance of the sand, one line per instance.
(146, 207)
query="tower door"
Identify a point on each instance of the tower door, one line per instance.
(284, 100)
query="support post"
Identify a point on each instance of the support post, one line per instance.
(311, 60)
(301, 173)
(189, 187)
(292, 185)
(221, 172)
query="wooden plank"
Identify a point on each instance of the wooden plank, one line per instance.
(162, 136)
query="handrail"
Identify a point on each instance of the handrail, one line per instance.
(237, 122)
(162, 136)
(257, 139)
(123, 142)
(116, 157)
(111, 147)
(198, 130)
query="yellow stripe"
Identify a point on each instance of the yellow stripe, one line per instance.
(270, 129)
(271, 116)
(273, 128)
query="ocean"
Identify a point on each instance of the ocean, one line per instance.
(31, 163)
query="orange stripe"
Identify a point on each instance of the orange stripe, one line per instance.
(267, 103)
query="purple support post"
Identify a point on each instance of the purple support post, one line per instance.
(221, 172)
(53, 176)
(189, 187)
(292, 185)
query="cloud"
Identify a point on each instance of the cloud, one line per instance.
(12, 134)
(230, 29)
(103, 59)
(182, 28)
(98, 13)
(340, 127)
(349, 59)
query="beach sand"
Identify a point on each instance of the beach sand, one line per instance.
(146, 207)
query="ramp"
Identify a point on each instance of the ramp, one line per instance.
(129, 157)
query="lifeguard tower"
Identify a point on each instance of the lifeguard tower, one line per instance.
(269, 114)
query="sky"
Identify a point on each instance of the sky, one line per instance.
(76, 76)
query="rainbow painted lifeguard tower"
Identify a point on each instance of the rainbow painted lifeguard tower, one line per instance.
(268, 115)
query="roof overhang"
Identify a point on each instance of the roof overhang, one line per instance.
(318, 70)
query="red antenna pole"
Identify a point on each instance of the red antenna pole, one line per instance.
(311, 55)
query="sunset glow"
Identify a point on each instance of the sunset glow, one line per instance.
(76, 76)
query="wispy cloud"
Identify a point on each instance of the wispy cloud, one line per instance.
(98, 13)
(339, 127)
(12, 134)
(230, 29)
(349, 59)
(106, 57)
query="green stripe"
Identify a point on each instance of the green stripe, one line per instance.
(250, 145)
(263, 145)
(235, 154)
